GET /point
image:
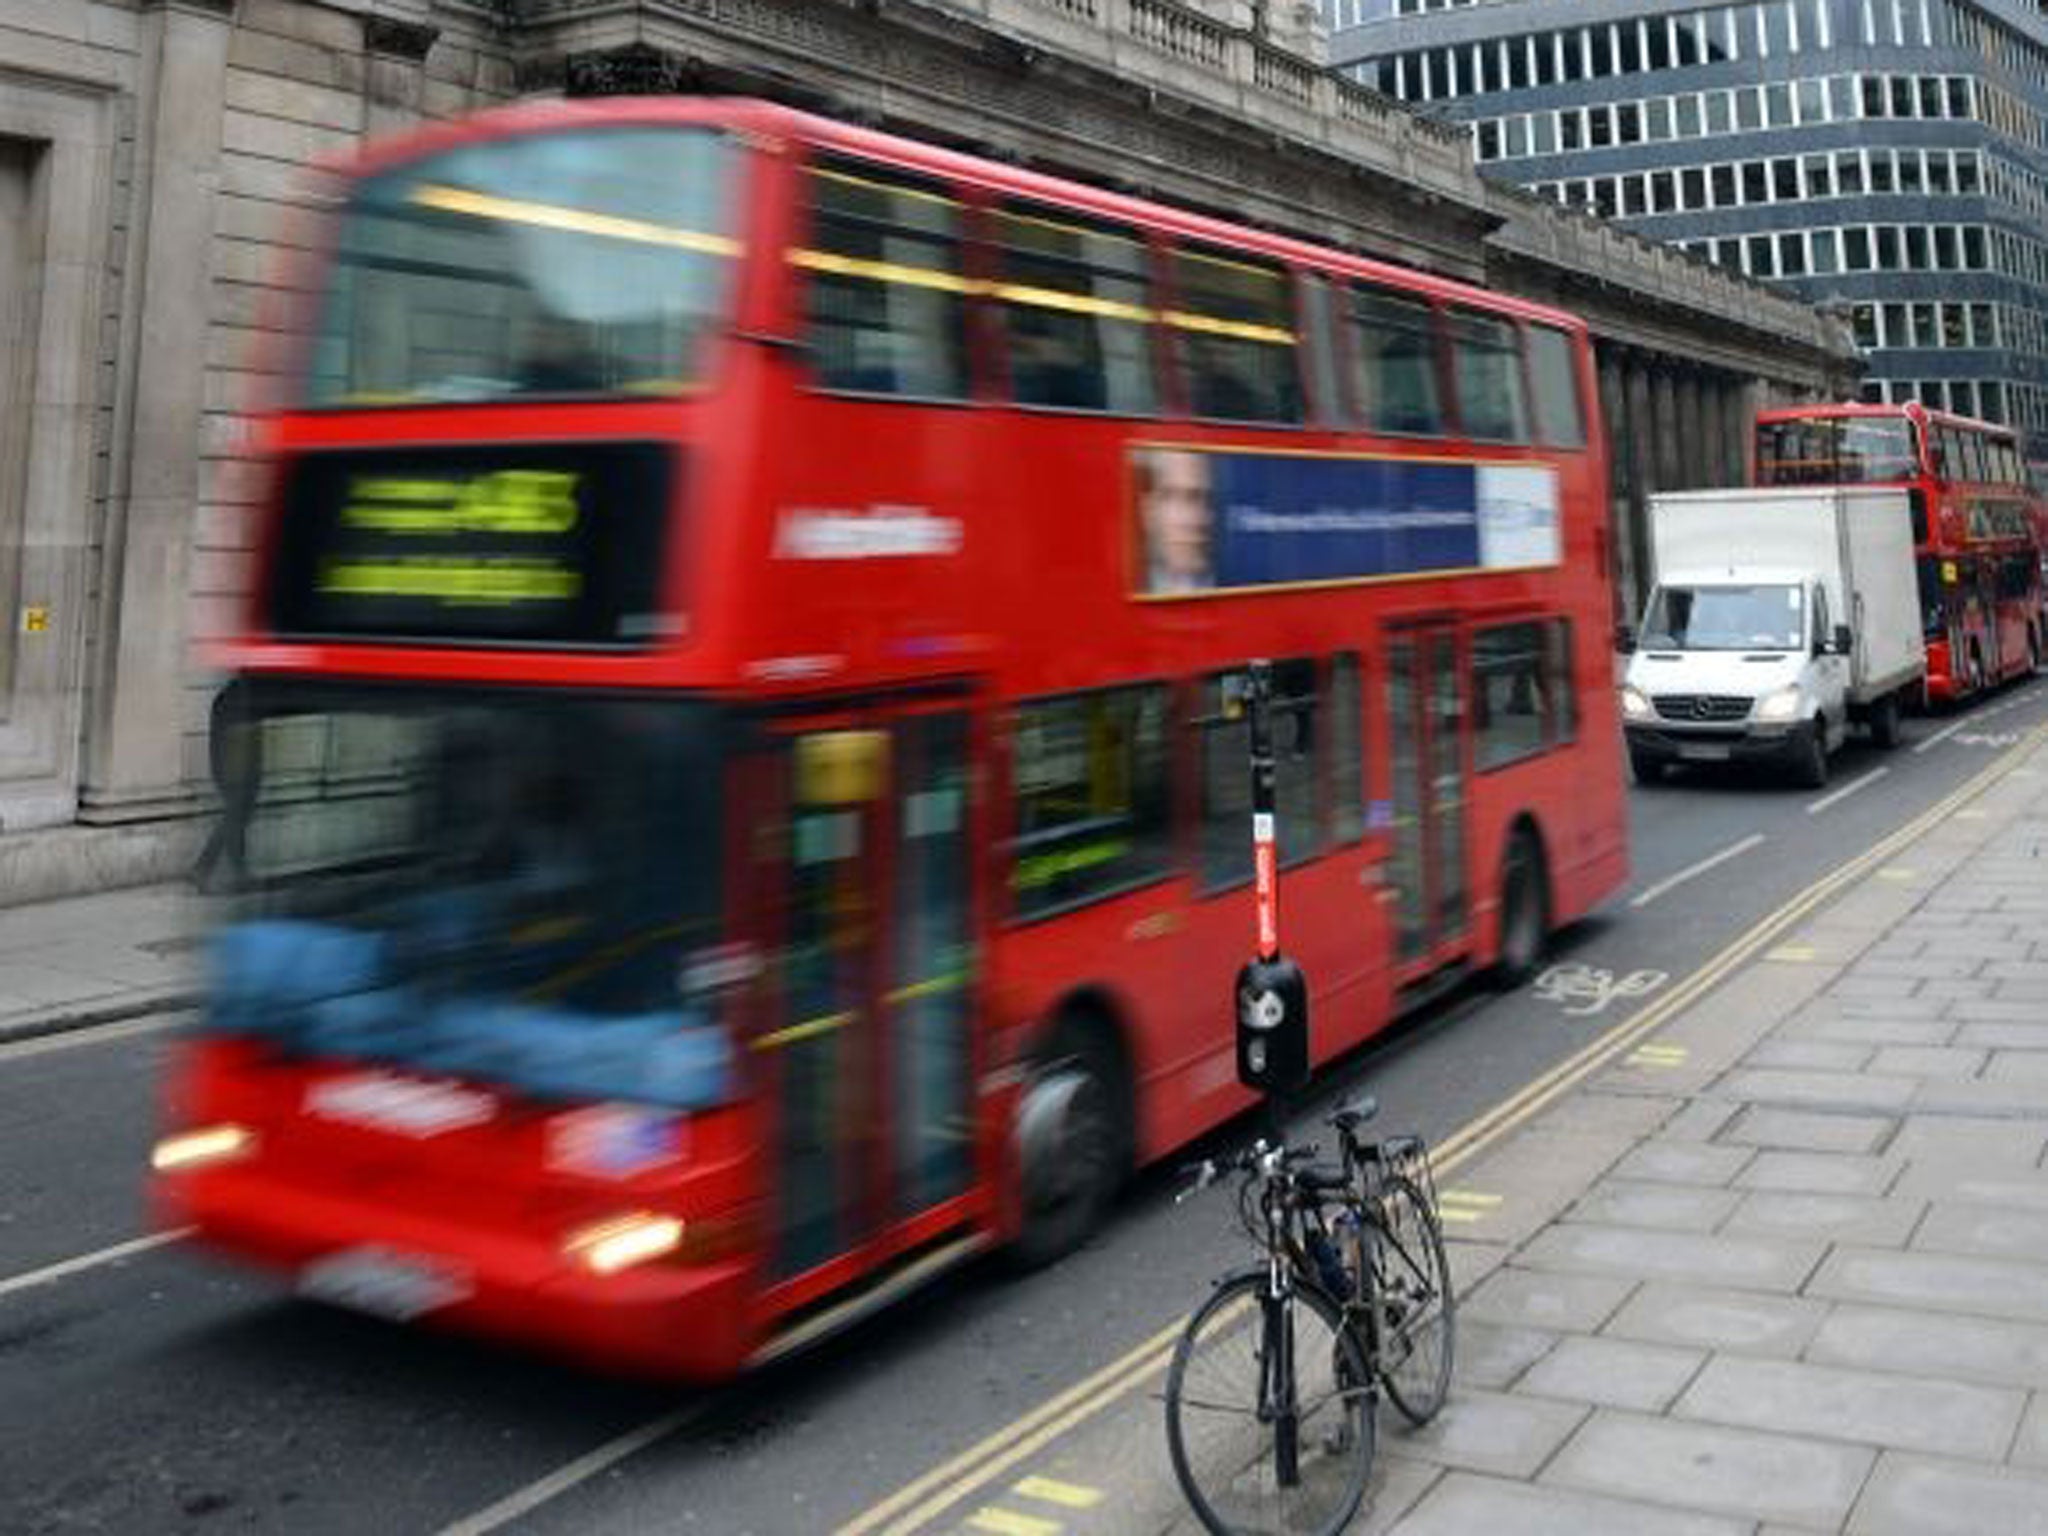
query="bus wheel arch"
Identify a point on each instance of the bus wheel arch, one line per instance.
(1526, 903)
(1074, 1131)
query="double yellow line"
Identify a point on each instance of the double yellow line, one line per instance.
(918, 1503)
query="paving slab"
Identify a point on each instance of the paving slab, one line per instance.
(1928, 1061)
(1709, 1467)
(2017, 1066)
(1968, 1139)
(1868, 1220)
(1466, 1505)
(1812, 1055)
(1741, 1322)
(1637, 1203)
(1614, 1373)
(1490, 1356)
(1820, 1173)
(1984, 1096)
(2009, 1183)
(2030, 1446)
(1940, 1282)
(1925, 1024)
(1746, 1263)
(1793, 1130)
(1837, 1090)
(1509, 1436)
(1986, 1230)
(1683, 1162)
(1528, 1298)
(1933, 1344)
(1891, 1411)
(1921, 1496)
(1701, 1120)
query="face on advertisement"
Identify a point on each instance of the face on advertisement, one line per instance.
(1174, 507)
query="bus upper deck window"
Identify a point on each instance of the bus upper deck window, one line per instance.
(1393, 346)
(1553, 374)
(886, 290)
(1487, 365)
(1075, 313)
(1237, 341)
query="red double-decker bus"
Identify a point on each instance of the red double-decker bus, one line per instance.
(735, 794)
(1977, 524)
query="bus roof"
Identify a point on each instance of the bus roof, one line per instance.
(769, 120)
(1912, 410)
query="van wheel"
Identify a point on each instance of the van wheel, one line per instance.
(1810, 759)
(1884, 722)
(1072, 1141)
(1524, 910)
(1647, 769)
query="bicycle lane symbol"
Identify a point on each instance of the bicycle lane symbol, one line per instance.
(1582, 990)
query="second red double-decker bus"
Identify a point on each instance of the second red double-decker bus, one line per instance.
(1976, 524)
(735, 788)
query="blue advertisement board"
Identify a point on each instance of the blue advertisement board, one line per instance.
(1218, 519)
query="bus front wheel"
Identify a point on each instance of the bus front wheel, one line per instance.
(1070, 1145)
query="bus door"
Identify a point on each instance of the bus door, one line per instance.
(1425, 735)
(864, 1054)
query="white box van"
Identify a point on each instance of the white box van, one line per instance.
(1778, 617)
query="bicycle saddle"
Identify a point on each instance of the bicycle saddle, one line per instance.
(1356, 1113)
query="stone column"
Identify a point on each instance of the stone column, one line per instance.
(134, 763)
(1692, 432)
(1666, 428)
(1614, 412)
(394, 77)
(1642, 475)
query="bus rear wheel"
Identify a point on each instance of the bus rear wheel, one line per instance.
(1524, 910)
(1071, 1141)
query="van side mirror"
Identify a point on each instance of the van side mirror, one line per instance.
(1845, 640)
(1624, 639)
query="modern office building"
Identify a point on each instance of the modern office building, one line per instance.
(1888, 156)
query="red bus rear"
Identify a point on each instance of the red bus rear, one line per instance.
(735, 785)
(1977, 524)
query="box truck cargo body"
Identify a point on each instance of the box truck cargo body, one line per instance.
(1778, 617)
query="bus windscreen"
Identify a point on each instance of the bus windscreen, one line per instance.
(557, 265)
(1836, 450)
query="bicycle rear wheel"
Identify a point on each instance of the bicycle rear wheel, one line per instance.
(1416, 1310)
(1243, 1475)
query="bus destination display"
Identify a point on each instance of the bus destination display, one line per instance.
(538, 545)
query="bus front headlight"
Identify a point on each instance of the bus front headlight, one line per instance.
(196, 1148)
(1780, 705)
(624, 1242)
(1635, 704)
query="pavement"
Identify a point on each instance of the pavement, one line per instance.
(85, 960)
(1780, 1266)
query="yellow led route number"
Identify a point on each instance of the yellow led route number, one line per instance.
(420, 522)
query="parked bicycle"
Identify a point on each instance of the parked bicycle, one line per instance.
(1273, 1394)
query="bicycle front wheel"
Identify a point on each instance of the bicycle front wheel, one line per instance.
(1415, 1308)
(1269, 1413)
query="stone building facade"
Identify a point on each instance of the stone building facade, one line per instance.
(151, 153)
(154, 161)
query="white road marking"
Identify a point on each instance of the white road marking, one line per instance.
(64, 1269)
(523, 1500)
(93, 1034)
(1941, 735)
(1672, 882)
(1845, 791)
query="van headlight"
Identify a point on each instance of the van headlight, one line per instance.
(1780, 705)
(1635, 704)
